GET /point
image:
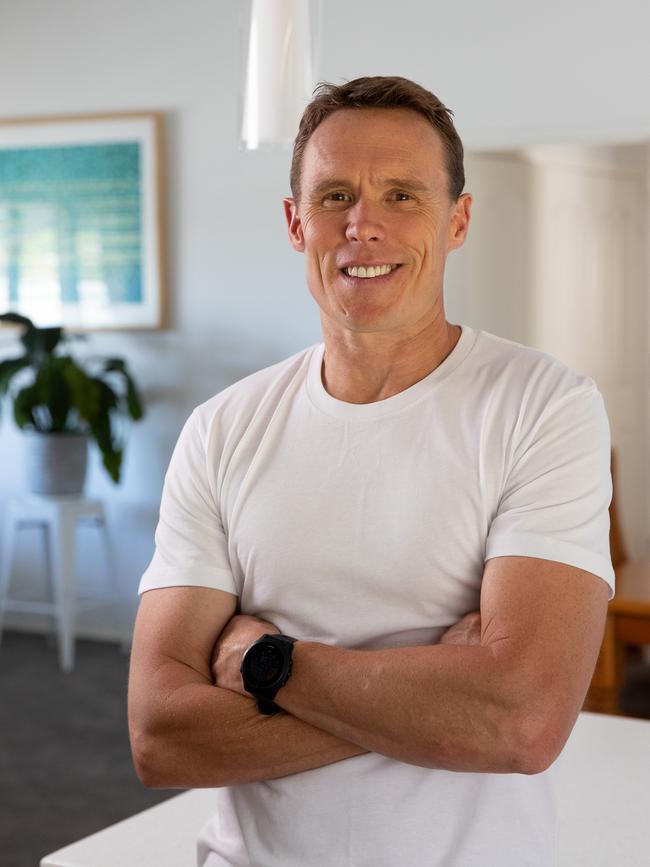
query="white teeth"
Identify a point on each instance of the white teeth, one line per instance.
(370, 271)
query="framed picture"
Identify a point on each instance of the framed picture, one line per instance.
(81, 221)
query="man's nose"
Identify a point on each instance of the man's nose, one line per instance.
(365, 223)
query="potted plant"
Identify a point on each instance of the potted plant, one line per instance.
(62, 403)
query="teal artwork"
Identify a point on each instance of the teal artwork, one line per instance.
(81, 220)
(70, 223)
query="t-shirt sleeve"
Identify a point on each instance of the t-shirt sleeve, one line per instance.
(558, 488)
(191, 546)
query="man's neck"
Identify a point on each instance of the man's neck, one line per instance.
(358, 369)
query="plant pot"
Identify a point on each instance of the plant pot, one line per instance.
(56, 463)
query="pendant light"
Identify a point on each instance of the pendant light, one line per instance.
(279, 72)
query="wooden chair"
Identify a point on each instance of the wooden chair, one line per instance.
(628, 618)
(616, 544)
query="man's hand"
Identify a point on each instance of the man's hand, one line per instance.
(466, 631)
(239, 633)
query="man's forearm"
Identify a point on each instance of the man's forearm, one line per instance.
(442, 706)
(210, 737)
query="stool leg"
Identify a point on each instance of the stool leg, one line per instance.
(111, 580)
(49, 572)
(62, 560)
(6, 562)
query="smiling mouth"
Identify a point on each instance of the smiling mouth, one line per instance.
(366, 271)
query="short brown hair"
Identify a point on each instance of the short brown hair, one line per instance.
(380, 92)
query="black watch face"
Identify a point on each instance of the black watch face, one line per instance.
(264, 664)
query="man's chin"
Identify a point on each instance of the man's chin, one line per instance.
(361, 321)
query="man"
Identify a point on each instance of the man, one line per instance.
(363, 500)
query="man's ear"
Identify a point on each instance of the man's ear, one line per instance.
(294, 225)
(459, 222)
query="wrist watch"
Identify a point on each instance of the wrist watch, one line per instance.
(265, 667)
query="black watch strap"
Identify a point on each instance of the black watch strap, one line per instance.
(268, 707)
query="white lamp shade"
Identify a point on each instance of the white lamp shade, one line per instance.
(279, 80)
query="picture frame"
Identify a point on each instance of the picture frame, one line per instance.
(81, 220)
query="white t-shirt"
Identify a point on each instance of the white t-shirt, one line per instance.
(368, 526)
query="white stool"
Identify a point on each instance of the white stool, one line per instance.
(58, 518)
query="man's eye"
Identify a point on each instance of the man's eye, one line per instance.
(401, 196)
(338, 197)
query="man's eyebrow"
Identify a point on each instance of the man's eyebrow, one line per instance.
(414, 184)
(408, 183)
(329, 184)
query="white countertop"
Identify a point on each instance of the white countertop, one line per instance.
(603, 779)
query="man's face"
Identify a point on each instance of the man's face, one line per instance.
(375, 195)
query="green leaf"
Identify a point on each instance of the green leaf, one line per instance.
(17, 319)
(48, 338)
(8, 368)
(102, 433)
(134, 403)
(40, 342)
(53, 391)
(108, 398)
(24, 404)
(86, 393)
(112, 460)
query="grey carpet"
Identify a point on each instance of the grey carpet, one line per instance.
(65, 761)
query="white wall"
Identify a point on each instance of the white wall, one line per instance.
(558, 260)
(590, 286)
(515, 73)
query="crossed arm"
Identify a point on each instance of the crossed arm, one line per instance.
(187, 733)
(502, 699)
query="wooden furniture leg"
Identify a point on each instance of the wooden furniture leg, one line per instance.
(609, 674)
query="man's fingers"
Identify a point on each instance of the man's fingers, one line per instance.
(241, 621)
(466, 631)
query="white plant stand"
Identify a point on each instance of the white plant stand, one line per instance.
(58, 519)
